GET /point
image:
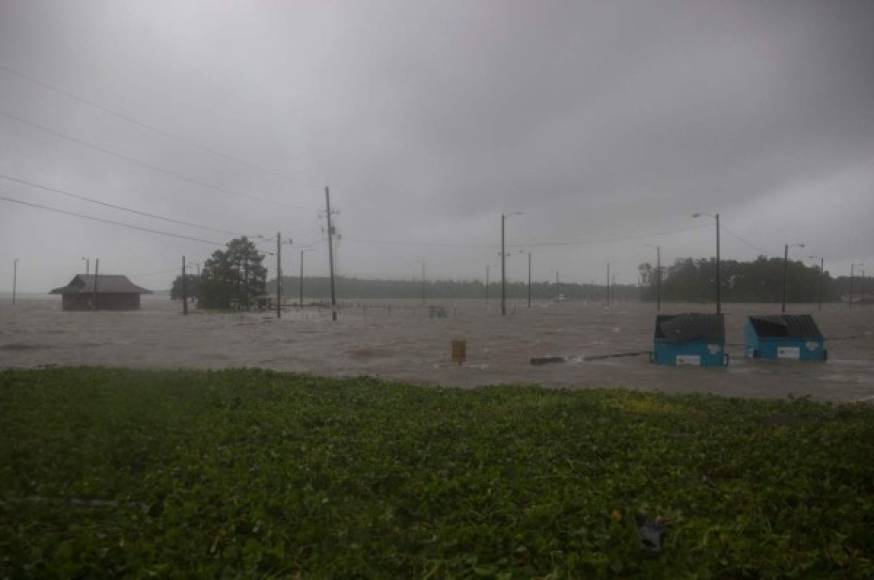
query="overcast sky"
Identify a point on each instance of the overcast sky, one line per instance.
(606, 123)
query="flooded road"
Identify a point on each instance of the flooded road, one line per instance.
(398, 340)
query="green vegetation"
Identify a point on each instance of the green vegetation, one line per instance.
(232, 278)
(760, 280)
(259, 474)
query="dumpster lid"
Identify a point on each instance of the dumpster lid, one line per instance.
(689, 327)
(785, 326)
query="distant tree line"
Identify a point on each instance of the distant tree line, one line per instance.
(351, 288)
(761, 280)
(235, 277)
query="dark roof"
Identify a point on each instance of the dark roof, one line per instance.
(689, 327)
(106, 284)
(785, 326)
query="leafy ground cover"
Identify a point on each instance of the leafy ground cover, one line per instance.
(260, 474)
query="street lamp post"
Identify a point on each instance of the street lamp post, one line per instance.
(87, 265)
(504, 262)
(718, 284)
(300, 279)
(786, 272)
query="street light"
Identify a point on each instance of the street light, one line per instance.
(821, 272)
(87, 265)
(300, 279)
(718, 286)
(504, 262)
(658, 250)
(786, 271)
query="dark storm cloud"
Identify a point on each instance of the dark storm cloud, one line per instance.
(597, 120)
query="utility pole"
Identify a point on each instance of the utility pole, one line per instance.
(278, 275)
(87, 265)
(608, 283)
(504, 262)
(331, 255)
(96, 277)
(785, 275)
(658, 278)
(503, 270)
(184, 289)
(529, 279)
(718, 283)
(14, 279)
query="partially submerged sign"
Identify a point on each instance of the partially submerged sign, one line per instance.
(690, 340)
(784, 337)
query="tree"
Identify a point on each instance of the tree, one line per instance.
(234, 277)
(192, 287)
(761, 280)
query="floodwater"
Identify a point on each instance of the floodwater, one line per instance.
(398, 340)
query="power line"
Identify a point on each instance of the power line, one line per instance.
(141, 163)
(399, 243)
(115, 206)
(747, 242)
(128, 118)
(111, 222)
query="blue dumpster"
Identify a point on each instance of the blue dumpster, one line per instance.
(690, 339)
(784, 336)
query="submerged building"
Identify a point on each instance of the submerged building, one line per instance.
(102, 292)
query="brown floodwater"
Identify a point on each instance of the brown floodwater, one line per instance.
(398, 340)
